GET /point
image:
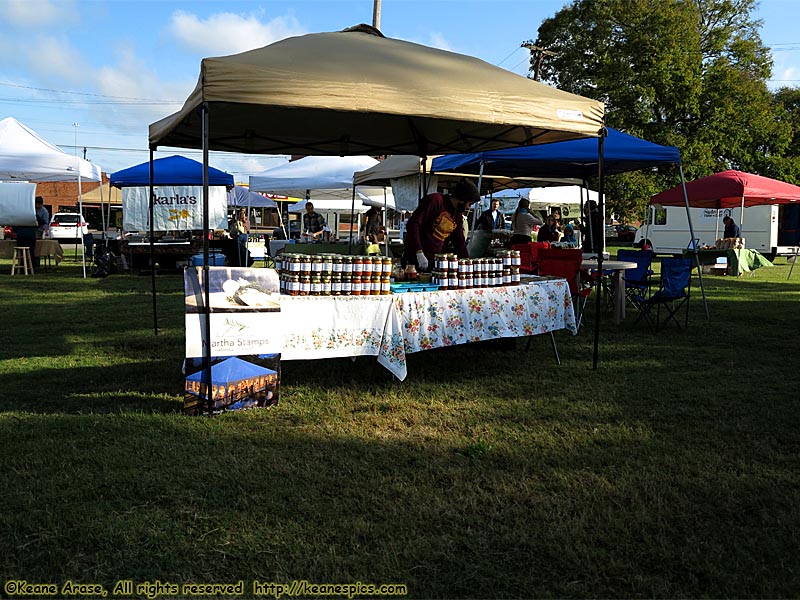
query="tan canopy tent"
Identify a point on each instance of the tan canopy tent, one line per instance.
(403, 165)
(357, 92)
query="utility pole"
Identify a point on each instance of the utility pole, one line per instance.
(537, 55)
(376, 14)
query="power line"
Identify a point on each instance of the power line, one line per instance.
(28, 87)
(510, 54)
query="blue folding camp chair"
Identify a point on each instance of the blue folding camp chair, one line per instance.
(673, 293)
(638, 281)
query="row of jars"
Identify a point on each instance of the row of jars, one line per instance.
(336, 284)
(461, 280)
(332, 264)
(450, 263)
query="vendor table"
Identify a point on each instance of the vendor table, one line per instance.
(166, 254)
(618, 267)
(43, 248)
(392, 326)
(739, 261)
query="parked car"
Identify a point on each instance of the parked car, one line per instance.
(9, 233)
(626, 233)
(64, 226)
(621, 233)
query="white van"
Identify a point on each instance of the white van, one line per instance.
(771, 229)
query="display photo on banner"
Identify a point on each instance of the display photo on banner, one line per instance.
(246, 339)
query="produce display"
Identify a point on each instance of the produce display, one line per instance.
(345, 275)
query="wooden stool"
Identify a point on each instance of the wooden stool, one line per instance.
(23, 254)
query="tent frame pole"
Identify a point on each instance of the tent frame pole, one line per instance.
(352, 218)
(475, 213)
(794, 262)
(598, 279)
(692, 247)
(206, 278)
(151, 208)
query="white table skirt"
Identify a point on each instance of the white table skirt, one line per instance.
(392, 326)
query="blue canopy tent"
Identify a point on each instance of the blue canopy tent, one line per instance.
(622, 153)
(232, 381)
(171, 170)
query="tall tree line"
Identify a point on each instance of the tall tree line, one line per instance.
(685, 73)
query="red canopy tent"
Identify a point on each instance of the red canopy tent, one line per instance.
(729, 189)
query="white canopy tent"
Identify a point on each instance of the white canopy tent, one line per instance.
(404, 173)
(26, 156)
(325, 181)
(328, 205)
(304, 177)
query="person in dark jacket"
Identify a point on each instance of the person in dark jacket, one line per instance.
(438, 220)
(548, 232)
(731, 228)
(593, 230)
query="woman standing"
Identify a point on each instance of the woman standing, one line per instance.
(522, 223)
(242, 229)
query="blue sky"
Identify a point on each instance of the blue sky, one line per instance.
(113, 66)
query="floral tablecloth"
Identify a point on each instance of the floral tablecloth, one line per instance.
(390, 327)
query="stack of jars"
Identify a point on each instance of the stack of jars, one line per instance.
(334, 275)
(452, 273)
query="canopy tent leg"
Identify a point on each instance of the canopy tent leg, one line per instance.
(601, 209)
(385, 223)
(352, 218)
(80, 223)
(692, 246)
(794, 262)
(475, 212)
(102, 214)
(152, 248)
(206, 278)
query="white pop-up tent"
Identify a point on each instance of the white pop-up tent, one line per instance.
(325, 181)
(26, 156)
(312, 175)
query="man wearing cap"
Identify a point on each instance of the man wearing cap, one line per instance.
(436, 221)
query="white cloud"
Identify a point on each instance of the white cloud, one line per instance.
(54, 59)
(130, 78)
(37, 13)
(784, 75)
(437, 40)
(228, 33)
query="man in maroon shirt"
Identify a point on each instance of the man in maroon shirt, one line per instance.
(437, 220)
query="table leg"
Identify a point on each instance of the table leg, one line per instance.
(619, 296)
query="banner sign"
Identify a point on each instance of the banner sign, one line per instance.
(712, 214)
(17, 204)
(175, 208)
(246, 339)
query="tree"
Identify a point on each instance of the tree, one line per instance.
(786, 167)
(687, 73)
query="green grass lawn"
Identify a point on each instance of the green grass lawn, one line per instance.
(671, 471)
